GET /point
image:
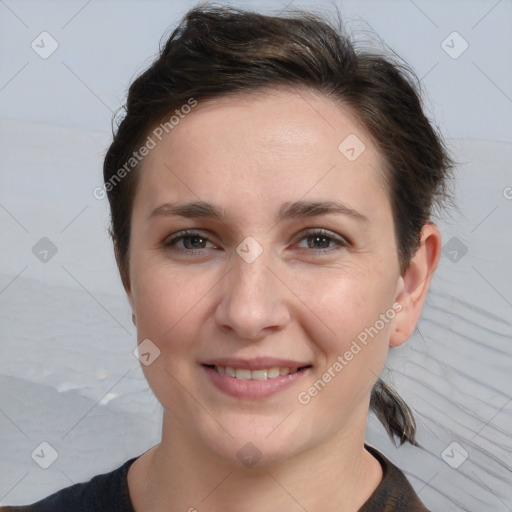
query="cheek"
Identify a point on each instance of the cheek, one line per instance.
(352, 338)
(171, 306)
(168, 300)
(355, 349)
(345, 303)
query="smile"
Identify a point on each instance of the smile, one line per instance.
(253, 383)
(260, 374)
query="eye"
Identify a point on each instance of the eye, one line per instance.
(323, 241)
(318, 241)
(188, 242)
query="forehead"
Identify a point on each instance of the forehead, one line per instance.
(267, 147)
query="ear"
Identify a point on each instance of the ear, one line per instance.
(414, 283)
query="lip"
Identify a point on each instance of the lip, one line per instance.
(256, 363)
(254, 389)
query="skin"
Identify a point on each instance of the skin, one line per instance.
(249, 154)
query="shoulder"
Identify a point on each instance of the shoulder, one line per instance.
(107, 492)
(394, 493)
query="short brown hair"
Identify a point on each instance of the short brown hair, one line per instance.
(218, 51)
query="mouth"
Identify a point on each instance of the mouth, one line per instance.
(257, 374)
(254, 380)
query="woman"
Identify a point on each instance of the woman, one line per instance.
(271, 190)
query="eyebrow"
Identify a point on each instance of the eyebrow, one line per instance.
(297, 209)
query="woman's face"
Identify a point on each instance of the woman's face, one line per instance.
(288, 260)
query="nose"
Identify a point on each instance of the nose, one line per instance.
(253, 302)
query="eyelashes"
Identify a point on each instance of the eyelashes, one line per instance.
(318, 241)
(188, 235)
(322, 235)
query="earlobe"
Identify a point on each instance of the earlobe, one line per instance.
(414, 283)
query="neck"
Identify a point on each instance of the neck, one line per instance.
(177, 475)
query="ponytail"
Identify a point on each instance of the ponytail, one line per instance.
(393, 413)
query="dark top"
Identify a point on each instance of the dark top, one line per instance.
(109, 493)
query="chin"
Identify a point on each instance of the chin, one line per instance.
(254, 442)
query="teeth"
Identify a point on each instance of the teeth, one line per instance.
(243, 374)
(263, 374)
(259, 374)
(273, 372)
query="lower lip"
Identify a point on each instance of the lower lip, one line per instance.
(251, 388)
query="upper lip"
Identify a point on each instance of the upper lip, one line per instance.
(255, 363)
